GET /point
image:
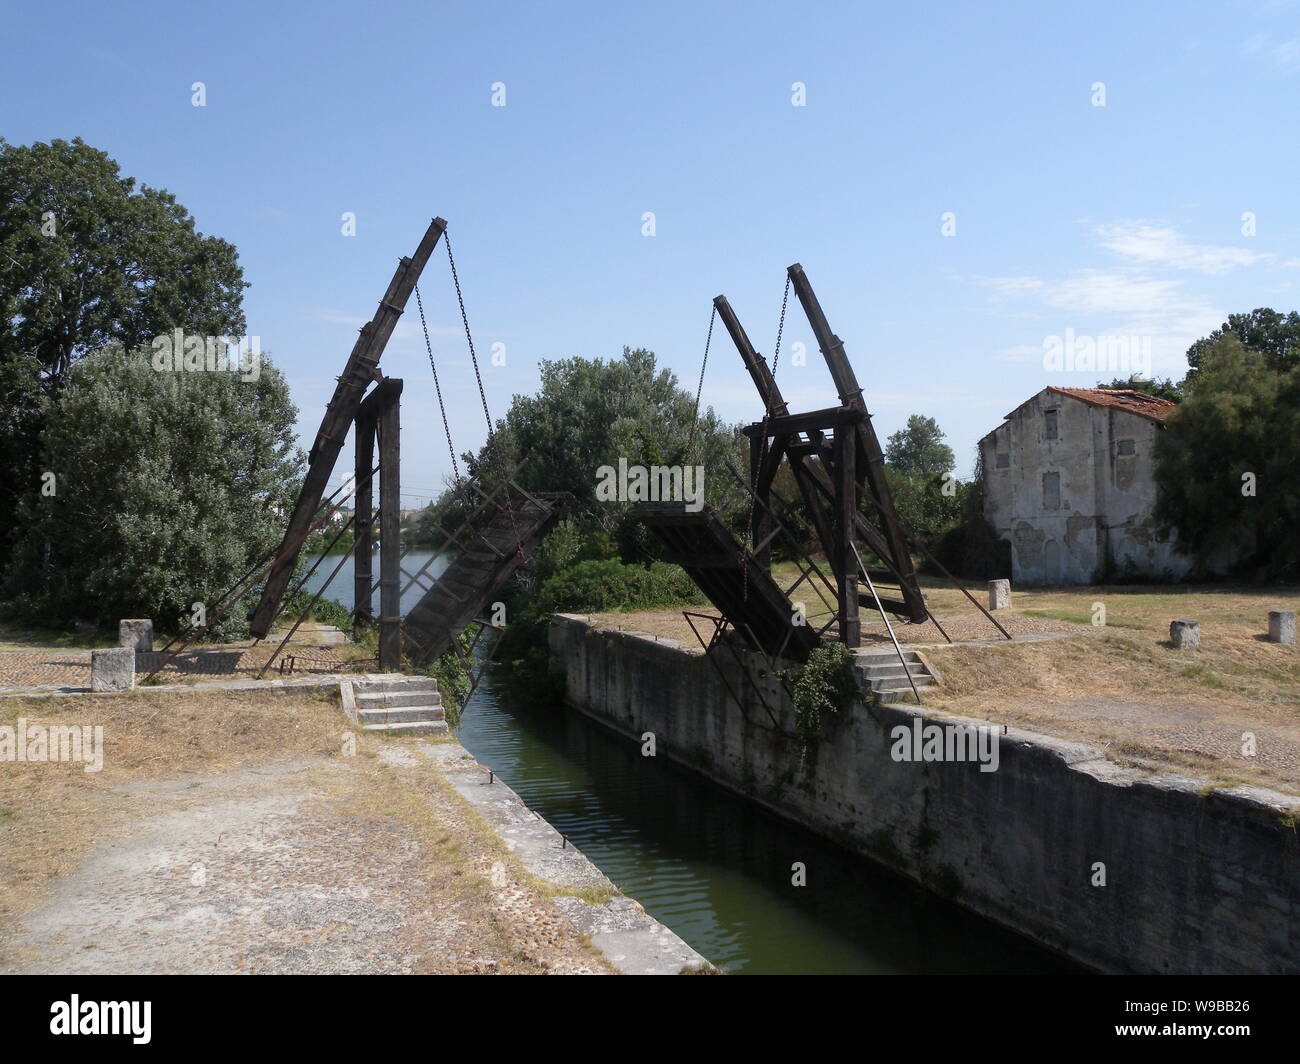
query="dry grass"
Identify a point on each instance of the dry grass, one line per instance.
(1120, 685)
(464, 887)
(51, 812)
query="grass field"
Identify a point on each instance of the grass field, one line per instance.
(1114, 679)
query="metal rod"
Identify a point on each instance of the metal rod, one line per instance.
(890, 627)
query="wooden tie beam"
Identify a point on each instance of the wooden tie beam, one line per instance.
(360, 371)
(833, 455)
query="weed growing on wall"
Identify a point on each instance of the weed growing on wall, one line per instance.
(824, 685)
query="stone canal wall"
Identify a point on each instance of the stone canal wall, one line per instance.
(1122, 870)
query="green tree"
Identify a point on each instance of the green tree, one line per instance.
(919, 449)
(168, 486)
(1228, 464)
(1161, 388)
(927, 505)
(590, 413)
(1275, 336)
(88, 259)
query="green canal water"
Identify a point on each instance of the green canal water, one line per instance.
(716, 869)
(711, 866)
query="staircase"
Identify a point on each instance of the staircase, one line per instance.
(887, 678)
(409, 705)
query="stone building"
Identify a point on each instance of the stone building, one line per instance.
(1069, 483)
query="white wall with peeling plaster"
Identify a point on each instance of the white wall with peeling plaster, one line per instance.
(1071, 487)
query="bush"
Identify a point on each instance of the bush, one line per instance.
(824, 684)
(596, 586)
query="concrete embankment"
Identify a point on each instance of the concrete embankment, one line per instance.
(1120, 868)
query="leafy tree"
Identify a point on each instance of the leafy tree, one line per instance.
(1275, 336)
(590, 413)
(168, 487)
(88, 259)
(919, 449)
(927, 505)
(1228, 466)
(1161, 388)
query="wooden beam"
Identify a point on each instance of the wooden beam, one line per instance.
(364, 508)
(390, 528)
(339, 416)
(758, 369)
(846, 511)
(850, 393)
(793, 424)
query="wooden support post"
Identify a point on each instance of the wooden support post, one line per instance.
(873, 475)
(364, 500)
(339, 416)
(390, 529)
(846, 504)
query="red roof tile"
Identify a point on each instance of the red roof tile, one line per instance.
(1134, 402)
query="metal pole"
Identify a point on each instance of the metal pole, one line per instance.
(890, 627)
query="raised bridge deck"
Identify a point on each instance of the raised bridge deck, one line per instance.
(737, 584)
(501, 540)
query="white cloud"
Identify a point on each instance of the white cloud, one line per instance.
(1132, 299)
(1284, 54)
(1164, 246)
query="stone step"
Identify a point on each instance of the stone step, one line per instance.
(886, 672)
(373, 684)
(889, 686)
(884, 657)
(423, 727)
(379, 699)
(430, 710)
(411, 716)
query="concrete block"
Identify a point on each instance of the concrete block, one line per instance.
(1281, 626)
(1185, 635)
(112, 670)
(999, 594)
(136, 634)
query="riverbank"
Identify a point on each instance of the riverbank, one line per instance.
(1119, 868)
(243, 831)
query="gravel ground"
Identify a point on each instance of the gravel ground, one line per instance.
(309, 865)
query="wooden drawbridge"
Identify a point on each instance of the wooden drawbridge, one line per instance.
(740, 586)
(496, 542)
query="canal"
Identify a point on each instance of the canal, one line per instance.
(713, 867)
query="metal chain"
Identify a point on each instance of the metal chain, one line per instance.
(451, 447)
(762, 453)
(469, 339)
(699, 388)
(491, 445)
(780, 328)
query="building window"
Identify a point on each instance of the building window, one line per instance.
(1004, 461)
(1050, 430)
(1051, 491)
(1126, 448)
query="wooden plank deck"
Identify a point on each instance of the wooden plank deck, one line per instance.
(737, 584)
(505, 539)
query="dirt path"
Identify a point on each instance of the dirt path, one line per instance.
(314, 862)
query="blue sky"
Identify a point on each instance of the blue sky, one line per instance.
(1117, 220)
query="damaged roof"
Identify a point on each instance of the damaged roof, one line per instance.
(1127, 399)
(1147, 406)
